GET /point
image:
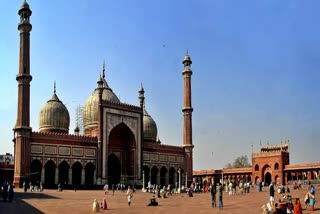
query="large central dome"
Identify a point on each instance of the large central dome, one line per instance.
(90, 111)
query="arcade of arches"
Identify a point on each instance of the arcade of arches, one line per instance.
(51, 174)
(163, 176)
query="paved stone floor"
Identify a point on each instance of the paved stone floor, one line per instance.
(68, 201)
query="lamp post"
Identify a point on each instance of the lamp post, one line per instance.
(179, 189)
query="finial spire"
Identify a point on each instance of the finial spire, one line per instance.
(54, 87)
(187, 53)
(103, 69)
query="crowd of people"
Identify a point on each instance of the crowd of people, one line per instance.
(6, 191)
(288, 204)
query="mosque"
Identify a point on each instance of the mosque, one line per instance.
(119, 143)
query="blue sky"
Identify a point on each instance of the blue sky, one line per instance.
(255, 68)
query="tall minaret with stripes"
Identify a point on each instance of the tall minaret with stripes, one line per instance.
(187, 118)
(22, 128)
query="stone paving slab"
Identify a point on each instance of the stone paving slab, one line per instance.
(69, 201)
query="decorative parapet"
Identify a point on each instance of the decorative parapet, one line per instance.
(268, 154)
(124, 106)
(163, 147)
(66, 137)
(275, 148)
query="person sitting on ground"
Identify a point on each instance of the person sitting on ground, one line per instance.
(95, 206)
(103, 204)
(153, 201)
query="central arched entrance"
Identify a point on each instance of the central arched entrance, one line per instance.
(114, 169)
(122, 166)
(267, 178)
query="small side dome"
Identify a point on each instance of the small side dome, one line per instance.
(150, 130)
(54, 116)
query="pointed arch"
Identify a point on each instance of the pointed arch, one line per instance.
(146, 171)
(50, 169)
(172, 172)
(89, 171)
(154, 174)
(35, 169)
(163, 176)
(76, 173)
(64, 172)
(122, 140)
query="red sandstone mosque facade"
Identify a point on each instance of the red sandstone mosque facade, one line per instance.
(272, 163)
(120, 142)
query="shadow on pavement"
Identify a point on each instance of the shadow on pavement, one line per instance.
(18, 205)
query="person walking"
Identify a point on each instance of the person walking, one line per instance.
(271, 188)
(220, 190)
(213, 192)
(129, 195)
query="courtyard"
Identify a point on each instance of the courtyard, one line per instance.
(70, 201)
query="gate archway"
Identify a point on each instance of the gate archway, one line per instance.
(267, 178)
(122, 142)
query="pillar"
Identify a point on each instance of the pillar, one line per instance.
(56, 177)
(43, 172)
(83, 176)
(95, 176)
(158, 177)
(70, 176)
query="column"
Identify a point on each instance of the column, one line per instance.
(150, 176)
(56, 177)
(143, 181)
(95, 176)
(43, 172)
(70, 176)
(167, 178)
(179, 189)
(83, 176)
(158, 178)
(175, 179)
(186, 180)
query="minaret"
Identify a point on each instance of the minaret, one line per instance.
(100, 157)
(22, 129)
(141, 96)
(187, 118)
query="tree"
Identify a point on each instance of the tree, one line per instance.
(239, 162)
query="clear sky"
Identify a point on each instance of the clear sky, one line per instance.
(256, 68)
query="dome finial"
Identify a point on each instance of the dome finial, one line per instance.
(54, 87)
(103, 69)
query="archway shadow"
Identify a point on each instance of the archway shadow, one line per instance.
(18, 205)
